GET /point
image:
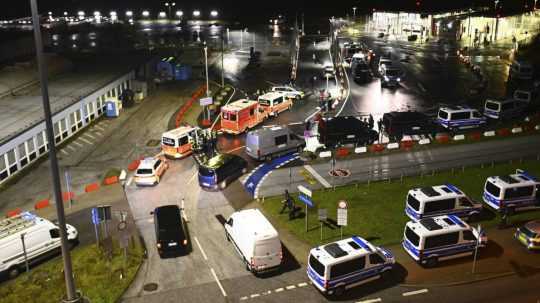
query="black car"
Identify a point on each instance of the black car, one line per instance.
(361, 72)
(337, 131)
(171, 233)
(398, 124)
(221, 170)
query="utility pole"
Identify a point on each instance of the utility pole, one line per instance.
(71, 293)
(206, 68)
(222, 55)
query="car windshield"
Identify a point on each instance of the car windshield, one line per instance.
(526, 231)
(168, 141)
(205, 171)
(264, 102)
(492, 105)
(144, 171)
(443, 114)
(316, 265)
(493, 189)
(412, 236)
(411, 200)
(392, 72)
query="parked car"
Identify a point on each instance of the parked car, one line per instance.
(255, 239)
(529, 235)
(269, 142)
(384, 62)
(328, 71)
(520, 70)
(289, 92)
(398, 124)
(150, 171)
(344, 130)
(504, 109)
(221, 170)
(41, 240)
(171, 233)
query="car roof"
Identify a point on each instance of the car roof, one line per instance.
(533, 226)
(147, 163)
(436, 192)
(342, 250)
(520, 178)
(238, 105)
(218, 161)
(178, 131)
(271, 95)
(438, 225)
(457, 108)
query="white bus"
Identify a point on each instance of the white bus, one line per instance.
(508, 193)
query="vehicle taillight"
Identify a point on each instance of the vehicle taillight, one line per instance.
(281, 255)
(159, 245)
(325, 284)
(185, 242)
(252, 262)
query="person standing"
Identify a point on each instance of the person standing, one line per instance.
(371, 121)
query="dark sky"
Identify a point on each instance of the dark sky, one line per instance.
(251, 9)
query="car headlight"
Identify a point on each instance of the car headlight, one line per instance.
(398, 79)
(386, 78)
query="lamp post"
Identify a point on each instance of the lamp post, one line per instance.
(354, 12)
(71, 293)
(206, 67)
(170, 5)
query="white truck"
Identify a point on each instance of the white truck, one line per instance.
(255, 239)
(41, 238)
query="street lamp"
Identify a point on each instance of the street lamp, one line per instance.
(214, 14)
(146, 14)
(114, 16)
(179, 14)
(170, 5)
(206, 67)
(354, 12)
(162, 15)
(80, 14)
(196, 13)
(129, 14)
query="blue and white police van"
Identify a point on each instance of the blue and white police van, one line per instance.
(431, 240)
(439, 200)
(460, 117)
(347, 263)
(511, 192)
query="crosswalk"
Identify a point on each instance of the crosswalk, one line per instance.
(87, 138)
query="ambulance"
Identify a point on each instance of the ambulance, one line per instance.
(275, 102)
(241, 115)
(178, 143)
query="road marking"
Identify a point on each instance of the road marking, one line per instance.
(296, 123)
(370, 301)
(243, 298)
(279, 289)
(254, 296)
(416, 292)
(71, 148)
(64, 152)
(202, 250)
(192, 177)
(90, 136)
(290, 287)
(302, 284)
(85, 141)
(100, 128)
(217, 280)
(77, 143)
(317, 176)
(318, 109)
(97, 132)
(235, 149)
(129, 181)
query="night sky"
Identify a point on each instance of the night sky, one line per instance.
(250, 9)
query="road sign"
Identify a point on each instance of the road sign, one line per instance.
(306, 191)
(206, 101)
(342, 213)
(342, 204)
(323, 214)
(95, 216)
(306, 200)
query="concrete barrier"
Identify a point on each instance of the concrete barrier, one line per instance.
(424, 141)
(443, 139)
(325, 154)
(377, 148)
(393, 145)
(13, 213)
(407, 144)
(342, 152)
(490, 133)
(91, 187)
(360, 150)
(475, 136)
(66, 196)
(503, 132)
(111, 180)
(42, 204)
(517, 130)
(459, 137)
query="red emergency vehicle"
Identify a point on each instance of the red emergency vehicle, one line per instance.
(238, 116)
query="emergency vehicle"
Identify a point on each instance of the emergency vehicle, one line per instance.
(241, 115)
(275, 102)
(511, 192)
(178, 143)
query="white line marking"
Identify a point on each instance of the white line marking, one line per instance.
(243, 298)
(64, 152)
(254, 296)
(370, 301)
(202, 250)
(90, 136)
(99, 127)
(290, 287)
(421, 86)
(317, 176)
(416, 292)
(266, 293)
(77, 143)
(235, 149)
(97, 132)
(192, 178)
(279, 289)
(71, 148)
(296, 123)
(217, 280)
(85, 141)
(318, 109)
(129, 181)
(302, 284)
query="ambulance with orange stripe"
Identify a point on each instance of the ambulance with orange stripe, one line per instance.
(178, 143)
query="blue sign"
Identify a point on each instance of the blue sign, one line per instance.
(95, 216)
(306, 200)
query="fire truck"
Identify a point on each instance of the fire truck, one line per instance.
(241, 115)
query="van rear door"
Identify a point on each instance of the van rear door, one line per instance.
(267, 254)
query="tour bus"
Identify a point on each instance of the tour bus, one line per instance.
(504, 109)
(274, 103)
(431, 240)
(439, 200)
(460, 117)
(41, 240)
(238, 116)
(508, 193)
(338, 266)
(177, 143)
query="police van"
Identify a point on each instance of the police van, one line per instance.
(343, 264)
(431, 240)
(460, 117)
(504, 109)
(510, 192)
(439, 200)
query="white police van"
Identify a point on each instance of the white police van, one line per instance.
(343, 264)
(460, 117)
(431, 240)
(439, 200)
(519, 190)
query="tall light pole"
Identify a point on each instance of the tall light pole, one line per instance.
(354, 12)
(206, 68)
(170, 5)
(71, 293)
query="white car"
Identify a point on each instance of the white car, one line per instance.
(328, 71)
(289, 92)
